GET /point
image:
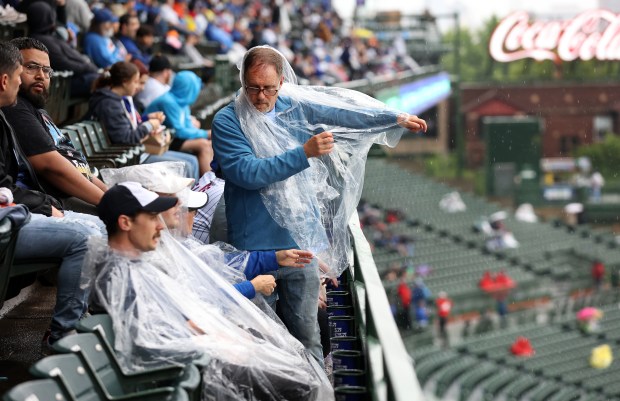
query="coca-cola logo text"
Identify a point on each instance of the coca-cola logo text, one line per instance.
(593, 34)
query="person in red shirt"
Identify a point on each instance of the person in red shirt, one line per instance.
(598, 273)
(444, 307)
(403, 312)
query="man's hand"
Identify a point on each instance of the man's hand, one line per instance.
(318, 145)
(322, 298)
(57, 213)
(326, 270)
(157, 115)
(293, 258)
(411, 122)
(265, 284)
(194, 327)
(195, 122)
(155, 123)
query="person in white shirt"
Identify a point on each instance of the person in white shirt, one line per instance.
(596, 184)
(160, 78)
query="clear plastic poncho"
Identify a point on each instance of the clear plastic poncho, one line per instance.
(166, 312)
(221, 254)
(318, 219)
(162, 177)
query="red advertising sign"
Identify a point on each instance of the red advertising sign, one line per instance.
(593, 34)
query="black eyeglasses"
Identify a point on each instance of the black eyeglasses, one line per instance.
(33, 69)
(252, 90)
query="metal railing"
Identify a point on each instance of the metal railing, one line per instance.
(390, 374)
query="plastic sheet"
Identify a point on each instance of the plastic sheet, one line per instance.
(166, 311)
(169, 178)
(601, 357)
(525, 212)
(232, 262)
(452, 203)
(522, 347)
(318, 219)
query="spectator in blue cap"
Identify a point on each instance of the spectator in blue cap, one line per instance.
(98, 44)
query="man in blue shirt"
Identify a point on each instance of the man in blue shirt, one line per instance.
(129, 25)
(98, 44)
(251, 226)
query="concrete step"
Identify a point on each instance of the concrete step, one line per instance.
(22, 325)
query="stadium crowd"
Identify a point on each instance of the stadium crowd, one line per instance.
(86, 36)
(161, 213)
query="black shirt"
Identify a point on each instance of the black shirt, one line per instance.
(37, 134)
(37, 201)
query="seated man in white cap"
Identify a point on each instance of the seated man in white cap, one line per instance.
(159, 319)
(247, 270)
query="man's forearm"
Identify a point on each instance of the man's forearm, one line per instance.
(75, 185)
(100, 184)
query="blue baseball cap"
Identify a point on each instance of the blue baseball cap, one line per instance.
(101, 15)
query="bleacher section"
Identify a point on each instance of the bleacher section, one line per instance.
(456, 251)
(559, 370)
(552, 264)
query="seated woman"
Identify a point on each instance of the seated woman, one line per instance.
(175, 104)
(112, 105)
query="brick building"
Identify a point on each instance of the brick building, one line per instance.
(571, 114)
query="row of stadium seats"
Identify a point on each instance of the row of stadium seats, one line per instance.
(559, 370)
(87, 368)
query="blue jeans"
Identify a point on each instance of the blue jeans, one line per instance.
(297, 293)
(49, 237)
(191, 162)
(92, 222)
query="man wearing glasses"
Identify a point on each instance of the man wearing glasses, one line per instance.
(62, 171)
(262, 115)
(41, 236)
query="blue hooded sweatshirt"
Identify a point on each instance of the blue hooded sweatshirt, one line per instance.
(176, 105)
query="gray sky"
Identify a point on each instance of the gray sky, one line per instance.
(474, 13)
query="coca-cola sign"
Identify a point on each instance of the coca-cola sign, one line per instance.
(593, 34)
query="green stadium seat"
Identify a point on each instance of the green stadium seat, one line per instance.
(94, 150)
(515, 390)
(98, 350)
(566, 394)
(495, 385)
(88, 131)
(76, 374)
(474, 377)
(448, 375)
(545, 390)
(95, 132)
(99, 162)
(39, 390)
(429, 366)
